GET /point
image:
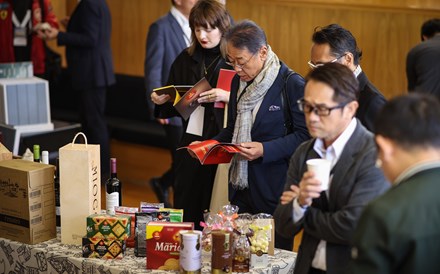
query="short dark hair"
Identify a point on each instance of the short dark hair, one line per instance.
(340, 78)
(411, 121)
(339, 39)
(204, 13)
(430, 28)
(248, 35)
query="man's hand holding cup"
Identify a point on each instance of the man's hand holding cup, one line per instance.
(314, 181)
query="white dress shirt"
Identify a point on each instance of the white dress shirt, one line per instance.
(183, 23)
(331, 153)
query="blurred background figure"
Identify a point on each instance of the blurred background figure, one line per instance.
(423, 61)
(90, 64)
(399, 231)
(334, 44)
(167, 37)
(20, 23)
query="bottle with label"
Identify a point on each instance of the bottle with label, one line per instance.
(37, 153)
(113, 189)
(57, 192)
(45, 157)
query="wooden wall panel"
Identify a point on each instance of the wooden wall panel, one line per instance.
(384, 34)
(385, 30)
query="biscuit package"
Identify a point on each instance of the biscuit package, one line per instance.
(142, 219)
(108, 226)
(96, 247)
(163, 244)
(130, 211)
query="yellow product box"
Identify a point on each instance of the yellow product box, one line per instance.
(163, 244)
(27, 207)
(108, 226)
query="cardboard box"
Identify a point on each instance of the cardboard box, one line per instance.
(96, 247)
(5, 154)
(163, 244)
(108, 226)
(27, 208)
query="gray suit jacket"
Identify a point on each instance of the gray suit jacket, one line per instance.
(355, 182)
(164, 42)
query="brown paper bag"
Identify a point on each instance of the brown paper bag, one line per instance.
(220, 192)
(80, 188)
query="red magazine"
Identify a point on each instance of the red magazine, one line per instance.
(224, 82)
(211, 152)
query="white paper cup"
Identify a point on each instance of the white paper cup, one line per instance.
(321, 168)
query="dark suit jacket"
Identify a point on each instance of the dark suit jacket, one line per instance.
(423, 67)
(87, 41)
(355, 182)
(370, 100)
(164, 43)
(267, 174)
(399, 232)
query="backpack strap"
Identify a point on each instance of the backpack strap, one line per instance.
(285, 104)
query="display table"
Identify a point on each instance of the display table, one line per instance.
(54, 257)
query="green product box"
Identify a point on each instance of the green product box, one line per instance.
(106, 226)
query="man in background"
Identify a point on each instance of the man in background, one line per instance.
(423, 61)
(333, 43)
(399, 231)
(329, 217)
(167, 37)
(90, 63)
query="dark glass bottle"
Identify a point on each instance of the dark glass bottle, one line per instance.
(57, 192)
(113, 189)
(37, 153)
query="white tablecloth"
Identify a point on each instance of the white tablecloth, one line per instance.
(53, 257)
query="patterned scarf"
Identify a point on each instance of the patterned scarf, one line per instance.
(255, 92)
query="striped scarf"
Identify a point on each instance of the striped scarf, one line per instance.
(255, 92)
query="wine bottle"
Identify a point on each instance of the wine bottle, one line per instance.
(57, 192)
(37, 153)
(113, 189)
(45, 157)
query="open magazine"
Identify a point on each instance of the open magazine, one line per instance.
(188, 102)
(211, 152)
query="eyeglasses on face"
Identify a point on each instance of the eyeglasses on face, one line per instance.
(240, 66)
(319, 110)
(314, 66)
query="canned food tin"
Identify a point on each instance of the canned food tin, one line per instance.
(190, 252)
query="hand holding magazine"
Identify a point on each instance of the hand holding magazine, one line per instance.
(211, 152)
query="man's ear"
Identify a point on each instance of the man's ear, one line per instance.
(348, 59)
(386, 148)
(263, 53)
(352, 108)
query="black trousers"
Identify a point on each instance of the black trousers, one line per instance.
(174, 136)
(94, 124)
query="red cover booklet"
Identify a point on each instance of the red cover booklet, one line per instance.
(212, 152)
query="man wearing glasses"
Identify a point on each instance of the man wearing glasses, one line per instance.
(329, 217)
(335, 44)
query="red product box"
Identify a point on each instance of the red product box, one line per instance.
(163, 244)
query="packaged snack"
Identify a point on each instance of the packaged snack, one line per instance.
(163, 244)
(96, 247)
(142, 219)
(130, 211)
(262, 236)
(108, 226)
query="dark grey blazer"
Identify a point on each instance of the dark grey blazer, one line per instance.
(164, 43)
(355, 182)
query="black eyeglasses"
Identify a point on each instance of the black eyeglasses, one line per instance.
(240, 66)
(319, 110)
